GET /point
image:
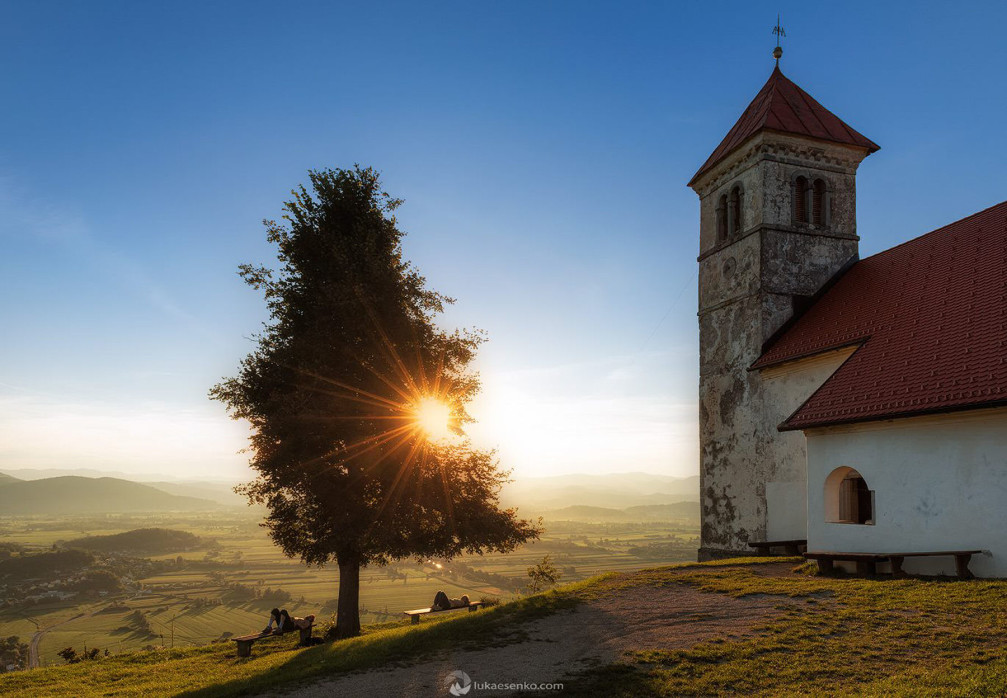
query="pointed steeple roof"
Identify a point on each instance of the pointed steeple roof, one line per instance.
(784, 107)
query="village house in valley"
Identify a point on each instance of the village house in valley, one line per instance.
(858, 404)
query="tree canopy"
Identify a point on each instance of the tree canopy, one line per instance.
(350, 390)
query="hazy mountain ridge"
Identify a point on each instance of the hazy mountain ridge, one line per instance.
(220, 492)
(637, 514)
(72, 494)
(615, 496)
(610, 491)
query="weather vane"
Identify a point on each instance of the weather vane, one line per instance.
(778, 30)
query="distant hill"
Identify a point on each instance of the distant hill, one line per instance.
(641, 514)
(5, 478)
(140, 540)
(44, 473)
(612, 491)
(84, 495)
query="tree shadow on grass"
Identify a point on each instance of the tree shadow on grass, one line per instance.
(396, 646)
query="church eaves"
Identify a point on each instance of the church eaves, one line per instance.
(930, 316)
(784, 107)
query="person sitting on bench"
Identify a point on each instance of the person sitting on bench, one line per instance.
(285, 624)
(443, 603)
(274, 617)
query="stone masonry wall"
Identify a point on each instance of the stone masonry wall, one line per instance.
(747, 288)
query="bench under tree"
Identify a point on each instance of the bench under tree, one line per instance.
(416, 613)
(245, 642)
(867, 562)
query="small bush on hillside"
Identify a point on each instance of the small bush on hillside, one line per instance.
(489, 601)
(543, 575)
(70, 656)
(276, 596)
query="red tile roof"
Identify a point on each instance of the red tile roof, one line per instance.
(931, 318)
(783, 106)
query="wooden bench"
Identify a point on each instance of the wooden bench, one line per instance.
(245, 642)
(791, 547)
(867, 562)
(416, 613)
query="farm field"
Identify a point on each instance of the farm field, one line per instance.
(227, 585)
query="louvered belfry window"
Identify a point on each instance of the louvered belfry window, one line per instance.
(736, 209)
(722, 218)
(818, 203)
(801, 200)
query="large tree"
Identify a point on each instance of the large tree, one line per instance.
(356, 398)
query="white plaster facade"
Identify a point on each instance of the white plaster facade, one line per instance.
(786, 388)
(939, 483)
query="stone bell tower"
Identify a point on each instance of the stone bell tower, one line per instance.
(777, 223)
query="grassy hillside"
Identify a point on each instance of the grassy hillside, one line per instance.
(5, 479)
(876, 637)
(84, 495)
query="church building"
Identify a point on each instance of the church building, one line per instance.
(858, 404)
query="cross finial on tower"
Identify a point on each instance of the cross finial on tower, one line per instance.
(778, 30)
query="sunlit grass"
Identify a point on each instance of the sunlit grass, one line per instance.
(844, 635)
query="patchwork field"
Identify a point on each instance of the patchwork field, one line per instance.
(209, 593)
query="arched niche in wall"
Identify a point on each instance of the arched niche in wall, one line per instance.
(848, 498)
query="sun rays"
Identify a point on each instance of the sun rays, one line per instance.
(433, 417)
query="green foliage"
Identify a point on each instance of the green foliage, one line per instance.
(47, 564)
(14, 653)
(543, 575)
(141, 540)
(95, 581)
(70, 656)
(332, 388)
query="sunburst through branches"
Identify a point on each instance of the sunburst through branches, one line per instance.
(433, 417)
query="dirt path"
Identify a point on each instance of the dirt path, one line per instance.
(33, 660)
(600, 631)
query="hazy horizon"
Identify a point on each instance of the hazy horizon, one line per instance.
(39, 473)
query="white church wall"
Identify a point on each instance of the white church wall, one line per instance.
(939, 483)
(786, 388)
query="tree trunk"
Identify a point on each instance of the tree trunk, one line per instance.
(348, 610)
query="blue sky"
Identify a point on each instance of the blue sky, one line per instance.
(542, 150)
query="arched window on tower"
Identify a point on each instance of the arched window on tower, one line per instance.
(734, 217)
(722, 218)
(801, 199)
(819, 203)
